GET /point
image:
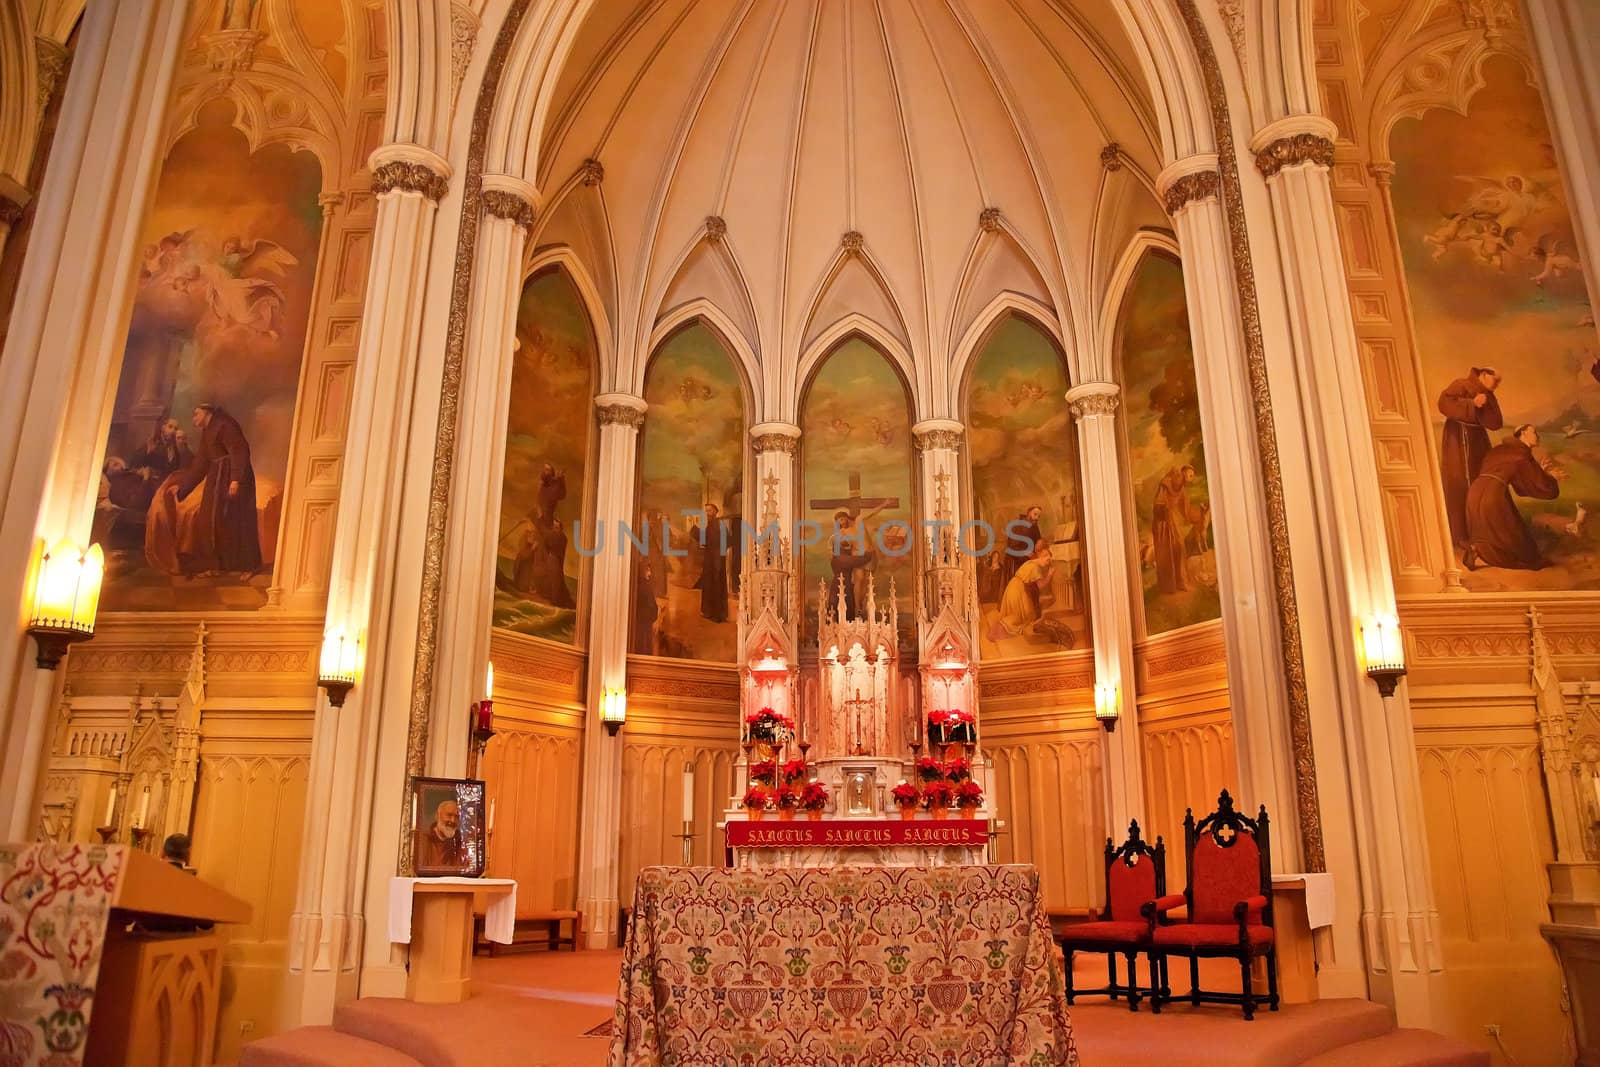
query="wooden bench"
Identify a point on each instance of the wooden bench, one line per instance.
(542, 929)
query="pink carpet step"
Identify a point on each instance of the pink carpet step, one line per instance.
(320, 1046)
(1405, 1048)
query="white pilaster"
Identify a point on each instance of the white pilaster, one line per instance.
(775, 444)
(63, 349)
(1256, 689)
(1343, 576)
(600, 821)
(474, 533)
(1107, 536)
(348, 799)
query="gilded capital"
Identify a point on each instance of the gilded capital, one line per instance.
(937, 433)
(852, 242)
(775, 442)
(716, 228)
(989, 220)
(1093, 398)
(1292, 151)
(1189, 188)
(619, 409)
(505, 204)
(409, 176)
(592, 172)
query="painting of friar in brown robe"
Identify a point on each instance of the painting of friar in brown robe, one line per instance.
(1171, 507)
(203, 519)
(1470, 409)
(1498, 534)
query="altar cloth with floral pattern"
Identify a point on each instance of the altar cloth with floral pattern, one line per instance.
(841, 966)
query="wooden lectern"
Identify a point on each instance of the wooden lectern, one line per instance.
(159, 992)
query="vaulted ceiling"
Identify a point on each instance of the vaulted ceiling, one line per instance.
(796, 122)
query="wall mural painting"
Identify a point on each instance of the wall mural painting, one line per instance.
(691, 483)
(1024, 485)
(857, 454)
(1166, 457)
(1506, 337)
(191, 490)
(547, 455)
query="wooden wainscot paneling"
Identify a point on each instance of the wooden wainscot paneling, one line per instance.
(680, 713)
(532, 768)
(1185, 732)
(1046, 772)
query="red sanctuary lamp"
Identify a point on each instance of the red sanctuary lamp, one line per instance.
(482, 723)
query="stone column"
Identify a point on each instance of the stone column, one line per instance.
(775, 444)
(1350, 554)
(1190, 190)
(1107, 535)
(474, 533)
(327, 927)
(938, 443)
(600, 821)
(63, 349)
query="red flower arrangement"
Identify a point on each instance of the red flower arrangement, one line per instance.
(952, 725)
(788, 799)
(756, 798)
(794, 770)
(938, 794)
(930, 769)
(958, 770)
(905, 795)
(765, 771)
(969, 794)
(768, 725)
(814, 797)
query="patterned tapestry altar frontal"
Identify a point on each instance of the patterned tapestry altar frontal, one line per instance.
(845, 965)
(54, 901)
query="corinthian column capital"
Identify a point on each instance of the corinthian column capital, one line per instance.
(1093, 398)
(510, 198)
(1188, 181)
(620, 409)
(937, 433)
(409, 168)
(775, 437)
(1293, 141)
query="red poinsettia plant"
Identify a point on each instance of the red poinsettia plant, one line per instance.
(938, 794)
(757, 797)
(814, 797)
(905, 794)
(769, 725)
(958, 770)
(951, 725)
(788, 799)
(794, 770)
(764, 771)
(930, 769)
(969, 794)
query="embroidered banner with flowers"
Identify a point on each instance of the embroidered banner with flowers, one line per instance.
(54, 902)
(842, 965)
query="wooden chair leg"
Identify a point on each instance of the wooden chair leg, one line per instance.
(1194, 980)
(1244, 984)
(1133, 981)
(1111, 969)
(1067, 953)
(1155, 985)
(1166, 980)
(1272, 978)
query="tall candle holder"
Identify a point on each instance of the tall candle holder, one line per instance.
(687, 837)
(108, 834)
(482, 731)
(140, 835)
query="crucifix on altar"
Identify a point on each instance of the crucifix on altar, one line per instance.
(850, 544)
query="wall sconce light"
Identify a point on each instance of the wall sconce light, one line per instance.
(336, 671)
(1383, 652)
(613, 710)
(66, 597)
(1107, 705)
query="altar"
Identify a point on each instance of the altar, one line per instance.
(870, 761)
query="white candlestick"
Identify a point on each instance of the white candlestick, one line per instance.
(491, 816)
(144, 809)
(111, 806)
(688, 792)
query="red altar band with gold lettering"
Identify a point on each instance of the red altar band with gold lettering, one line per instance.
(858, 833)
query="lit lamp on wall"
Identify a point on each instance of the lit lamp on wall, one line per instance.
(336, 671)
(66, 596)
(1107, 705)
(482, 723)
(613, 710)
(1383, 652)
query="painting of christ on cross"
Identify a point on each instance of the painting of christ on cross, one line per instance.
(857, 466)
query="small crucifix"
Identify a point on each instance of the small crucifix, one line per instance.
(858, 749)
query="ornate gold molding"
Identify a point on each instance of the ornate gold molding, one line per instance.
(420, 713)
(775, 442)
(1201, 185)
(1293, 151)
(407, 176)
(504, 204)
(619, 415)
(51, 57)
(1111, 156)
(716, 228)
(852, 242)
(947, 437)
(1091, 404)
(1294, 667)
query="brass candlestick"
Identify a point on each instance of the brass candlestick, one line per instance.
(108, 834)
(141, 834)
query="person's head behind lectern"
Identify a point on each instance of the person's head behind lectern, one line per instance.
(175, 850)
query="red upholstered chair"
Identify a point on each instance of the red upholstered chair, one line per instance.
(1229, 906)
(1136, 875)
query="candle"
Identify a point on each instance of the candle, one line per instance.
(491, 816)
(413, 811)
(144, 809)
(688, 791)
(488, 682)
(111, 806)
(486, 715)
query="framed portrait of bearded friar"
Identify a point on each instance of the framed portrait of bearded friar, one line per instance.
(447, 830)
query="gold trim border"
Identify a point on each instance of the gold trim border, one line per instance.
(1305, 764)
(419, 720)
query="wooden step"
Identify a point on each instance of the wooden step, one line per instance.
(320, 1046)
(1404, 1048)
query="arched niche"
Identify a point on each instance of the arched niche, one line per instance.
(1023, 468)
(1166, 460)
(691, 471)
(190, 504)
(856, 460)
(549, 452)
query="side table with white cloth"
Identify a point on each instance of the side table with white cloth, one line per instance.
(434, 917)
(1301, 903)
